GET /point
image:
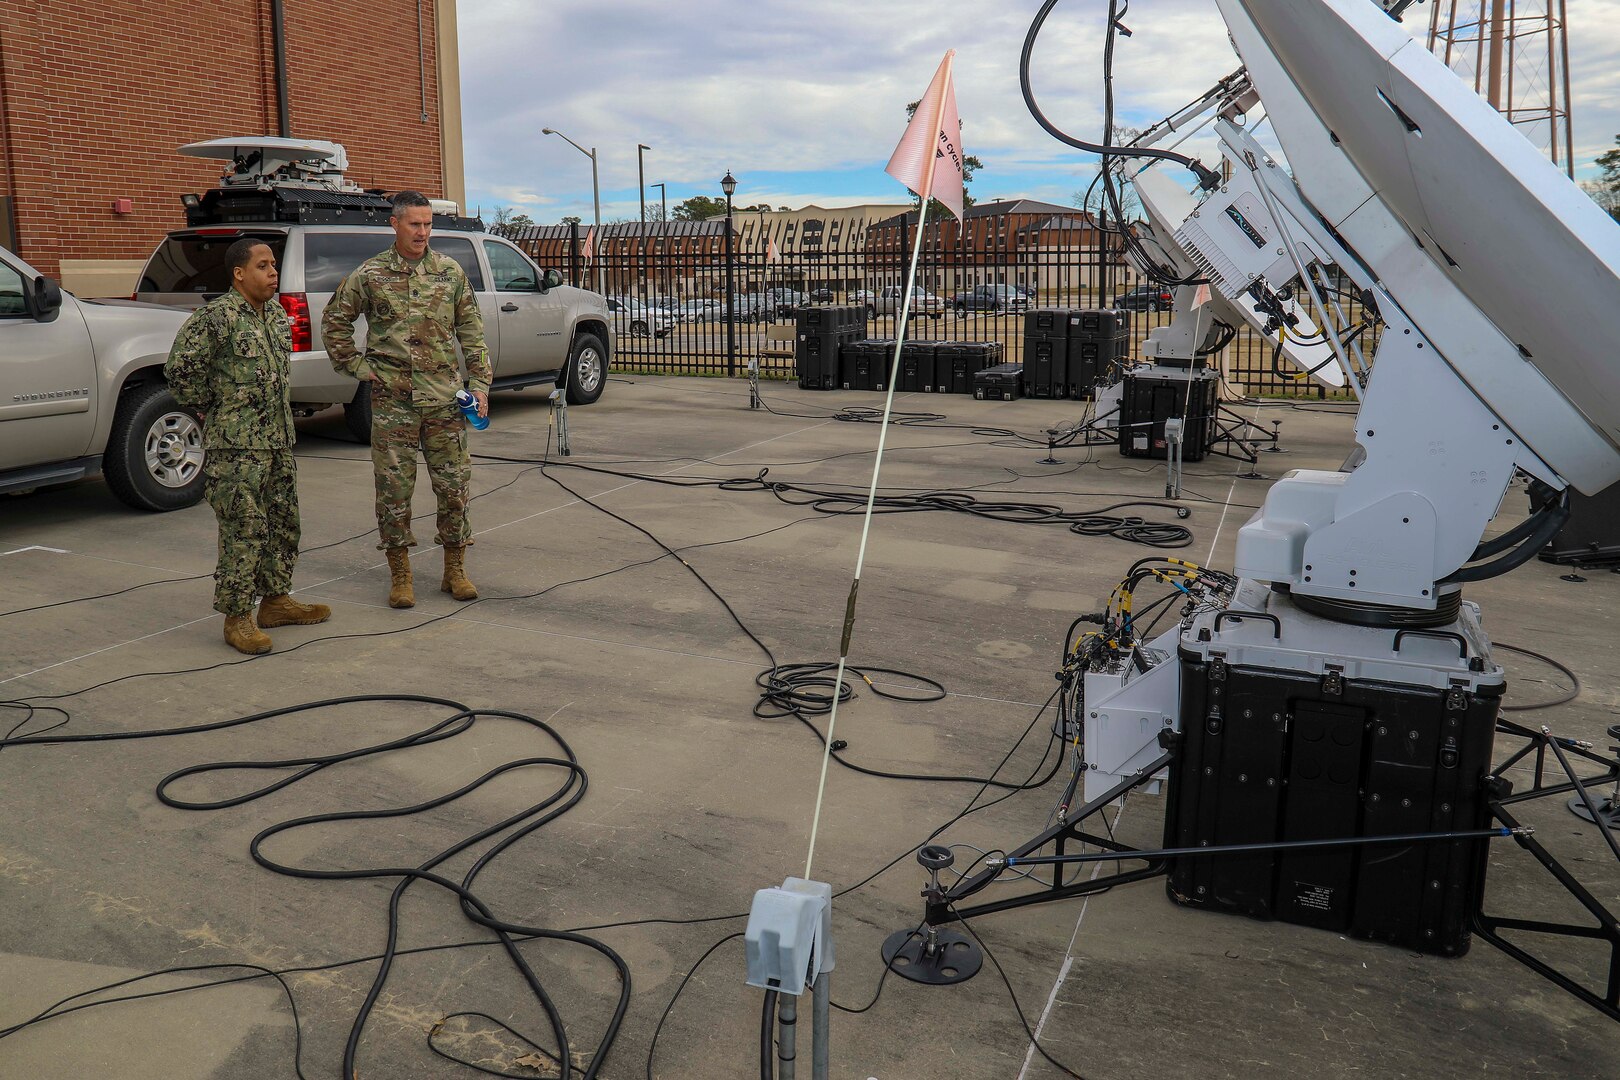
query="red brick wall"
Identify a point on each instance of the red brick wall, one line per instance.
(94, 99)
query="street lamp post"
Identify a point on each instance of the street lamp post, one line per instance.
(641, 237)
(596, 200)
(663, 232)
(728, 184)
(641, 181)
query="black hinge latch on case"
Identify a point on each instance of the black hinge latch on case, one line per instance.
(1333, 682)
(1456, 698)
(1217, 669)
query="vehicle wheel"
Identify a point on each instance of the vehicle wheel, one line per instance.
(638, 328)
(871, 312)
(961, 311)
(154, 458)
(586, 373)
(357, 414)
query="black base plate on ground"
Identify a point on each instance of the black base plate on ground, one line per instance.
(1608, 809)
(957, 959)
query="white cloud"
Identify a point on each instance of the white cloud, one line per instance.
(766, 88)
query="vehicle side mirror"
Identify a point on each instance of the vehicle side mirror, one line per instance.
(47, 299)
(550, 280)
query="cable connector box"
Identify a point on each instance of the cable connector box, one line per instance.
(789, 935)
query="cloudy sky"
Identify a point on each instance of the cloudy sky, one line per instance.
(804, 103)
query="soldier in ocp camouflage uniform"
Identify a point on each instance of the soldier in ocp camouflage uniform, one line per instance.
(418, 304)
(231, 365)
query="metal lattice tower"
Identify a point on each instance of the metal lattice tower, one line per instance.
(1516, 53)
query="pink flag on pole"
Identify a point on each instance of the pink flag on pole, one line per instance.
(771, 254)
(930, 152)
(589, 245)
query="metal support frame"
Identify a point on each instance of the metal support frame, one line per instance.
(559, 407)
(946, 909)
(1174, 429)
(1607, 928)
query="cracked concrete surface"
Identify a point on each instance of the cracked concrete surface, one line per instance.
(693, 802)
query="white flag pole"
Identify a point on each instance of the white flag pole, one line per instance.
(877, 464)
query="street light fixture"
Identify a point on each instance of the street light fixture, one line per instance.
(663, 231)
(641, 237)
(641, 181)
(728, 184)
(596, 199)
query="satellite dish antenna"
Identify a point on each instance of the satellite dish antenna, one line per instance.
(266, 160)
(1478, 202)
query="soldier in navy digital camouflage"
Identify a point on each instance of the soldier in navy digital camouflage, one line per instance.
(231, 365)
(418, 305)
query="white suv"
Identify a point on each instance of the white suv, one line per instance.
(538, 329)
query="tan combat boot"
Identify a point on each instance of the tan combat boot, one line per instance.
(244, 637)
(283, 610)
(455, 577)
(400, 593)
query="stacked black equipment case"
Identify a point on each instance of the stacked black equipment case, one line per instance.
(926, 367)
(957, 362)
(916, 368)
(865, 364)
(1069, 353)
(1099, 346)
(1591, 537)
(1046, 352)
(1003, 382)
(1370, 733)
(823, 330)
(1150, 397)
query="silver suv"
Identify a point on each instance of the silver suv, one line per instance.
(82, 391)
(538, 329)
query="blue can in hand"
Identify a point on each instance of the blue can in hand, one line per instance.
(469, 409)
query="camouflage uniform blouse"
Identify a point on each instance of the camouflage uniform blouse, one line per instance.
(234, 365)
(415, 314)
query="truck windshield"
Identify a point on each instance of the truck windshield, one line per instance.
(196, 264)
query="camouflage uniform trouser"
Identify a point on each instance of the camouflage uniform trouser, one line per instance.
(254, 494)
(397, 427)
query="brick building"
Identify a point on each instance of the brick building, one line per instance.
(95, 98)
(1035, 245)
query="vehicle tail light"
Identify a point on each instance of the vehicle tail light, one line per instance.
(296, 305)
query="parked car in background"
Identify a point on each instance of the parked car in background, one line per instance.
(699, 310)
(888, 302)
(638, 319)
(744, 307)
(82, 392)
(1146, 298)
(821, 296)
(867, 297)
(1001, 299)
(784, 303)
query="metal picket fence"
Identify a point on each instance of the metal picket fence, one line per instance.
(669, 284)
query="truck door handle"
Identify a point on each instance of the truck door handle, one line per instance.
(509, 306)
